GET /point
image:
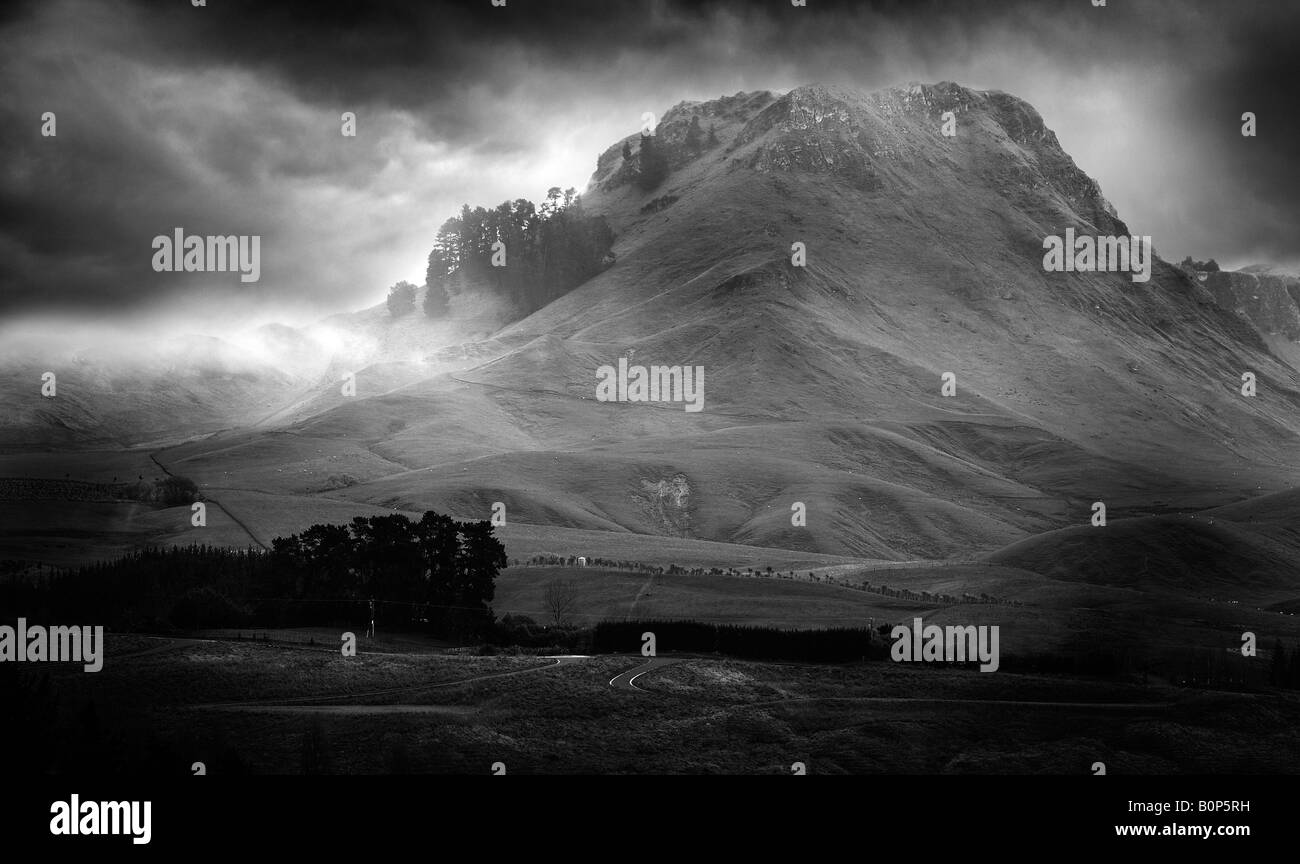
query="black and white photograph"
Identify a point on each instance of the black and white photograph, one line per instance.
(649, 387)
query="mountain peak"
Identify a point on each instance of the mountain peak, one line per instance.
(836, 109)
(865, 137)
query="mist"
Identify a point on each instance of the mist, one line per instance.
(203, 119)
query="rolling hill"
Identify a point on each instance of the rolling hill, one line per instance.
(822, 382)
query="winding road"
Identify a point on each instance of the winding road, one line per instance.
(624, 680)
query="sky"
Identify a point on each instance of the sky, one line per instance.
(226, 119)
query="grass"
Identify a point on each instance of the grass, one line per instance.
(618, 594)
(700, 715)
(218, 672)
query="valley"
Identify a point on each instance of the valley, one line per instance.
(921, 262)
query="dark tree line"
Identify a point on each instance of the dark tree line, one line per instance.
(754, 573)
(445, 568)
(437, 574)
(572, 561)
(169, 491)
(547, 252)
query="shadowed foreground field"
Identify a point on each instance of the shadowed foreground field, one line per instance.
(241, 707)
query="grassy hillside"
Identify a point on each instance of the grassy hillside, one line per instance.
(822, 383)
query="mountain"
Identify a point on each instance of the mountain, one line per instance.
(133, 393)
(1266, 299)
(114, 397)
(822, 383)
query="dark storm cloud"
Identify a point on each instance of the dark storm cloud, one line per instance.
(224, 119)
(1255, 212)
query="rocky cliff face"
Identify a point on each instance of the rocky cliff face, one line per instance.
(924, 255)
(875, 142)
(1269, 301)
(823, 374)
(724, 116)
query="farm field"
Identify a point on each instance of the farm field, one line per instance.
(269, 709)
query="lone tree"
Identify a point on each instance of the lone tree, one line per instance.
(175, 490)
(654, 163)
(401, 299)
(561, 600)
(627, 151)
(713, 135)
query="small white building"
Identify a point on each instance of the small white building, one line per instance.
(582, 562)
